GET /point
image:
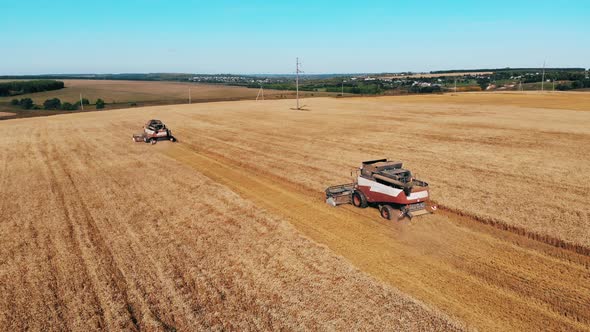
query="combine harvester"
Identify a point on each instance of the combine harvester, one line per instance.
(153, 131)
(386, 185)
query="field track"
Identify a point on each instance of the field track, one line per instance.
(493, 280)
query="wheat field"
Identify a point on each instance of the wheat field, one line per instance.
(526, 167)
(227, 229)
(147, 92)
(99, 233)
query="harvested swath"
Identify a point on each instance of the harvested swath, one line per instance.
(100, 233)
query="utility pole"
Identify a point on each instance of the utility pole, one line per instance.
(342, 93)
(553, 84)
(297, 80)
(81, 103)
(189, 95)
(455, 85)
(543, 78)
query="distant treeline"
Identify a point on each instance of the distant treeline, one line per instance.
(21, 87)
(349, 87)
(531, 77)
(162, 76)
(320, 86)
(505, 69)
(580, 84)
(55, 104)
(123, 77)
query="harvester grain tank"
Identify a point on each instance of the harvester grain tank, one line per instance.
(386, 185)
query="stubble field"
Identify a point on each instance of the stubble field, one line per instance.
(145, 92)
(229, 224)
(124, 94)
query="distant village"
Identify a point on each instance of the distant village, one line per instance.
(504, 79)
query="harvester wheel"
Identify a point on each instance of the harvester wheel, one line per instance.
(389, 213)
(359, 200)
(153, 140)
(172, 139)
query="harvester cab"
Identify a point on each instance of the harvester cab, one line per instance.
(386, 185)
(153, 131)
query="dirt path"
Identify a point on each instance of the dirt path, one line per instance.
(491, 279)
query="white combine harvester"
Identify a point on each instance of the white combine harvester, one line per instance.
(153, 131)
(386, 185)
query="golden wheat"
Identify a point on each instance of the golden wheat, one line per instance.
(227, 228)
(100, 233)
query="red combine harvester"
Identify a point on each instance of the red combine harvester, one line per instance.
(386, 185)
(153, 131)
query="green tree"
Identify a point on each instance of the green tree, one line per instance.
(577, 85)
(52, 104)
(99, 104)
(69, 107)
(14, 102)
(22, 87)
(26, 103)
(483, 83)
(84, 102)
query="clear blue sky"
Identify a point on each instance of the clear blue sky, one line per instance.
(265, 36)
